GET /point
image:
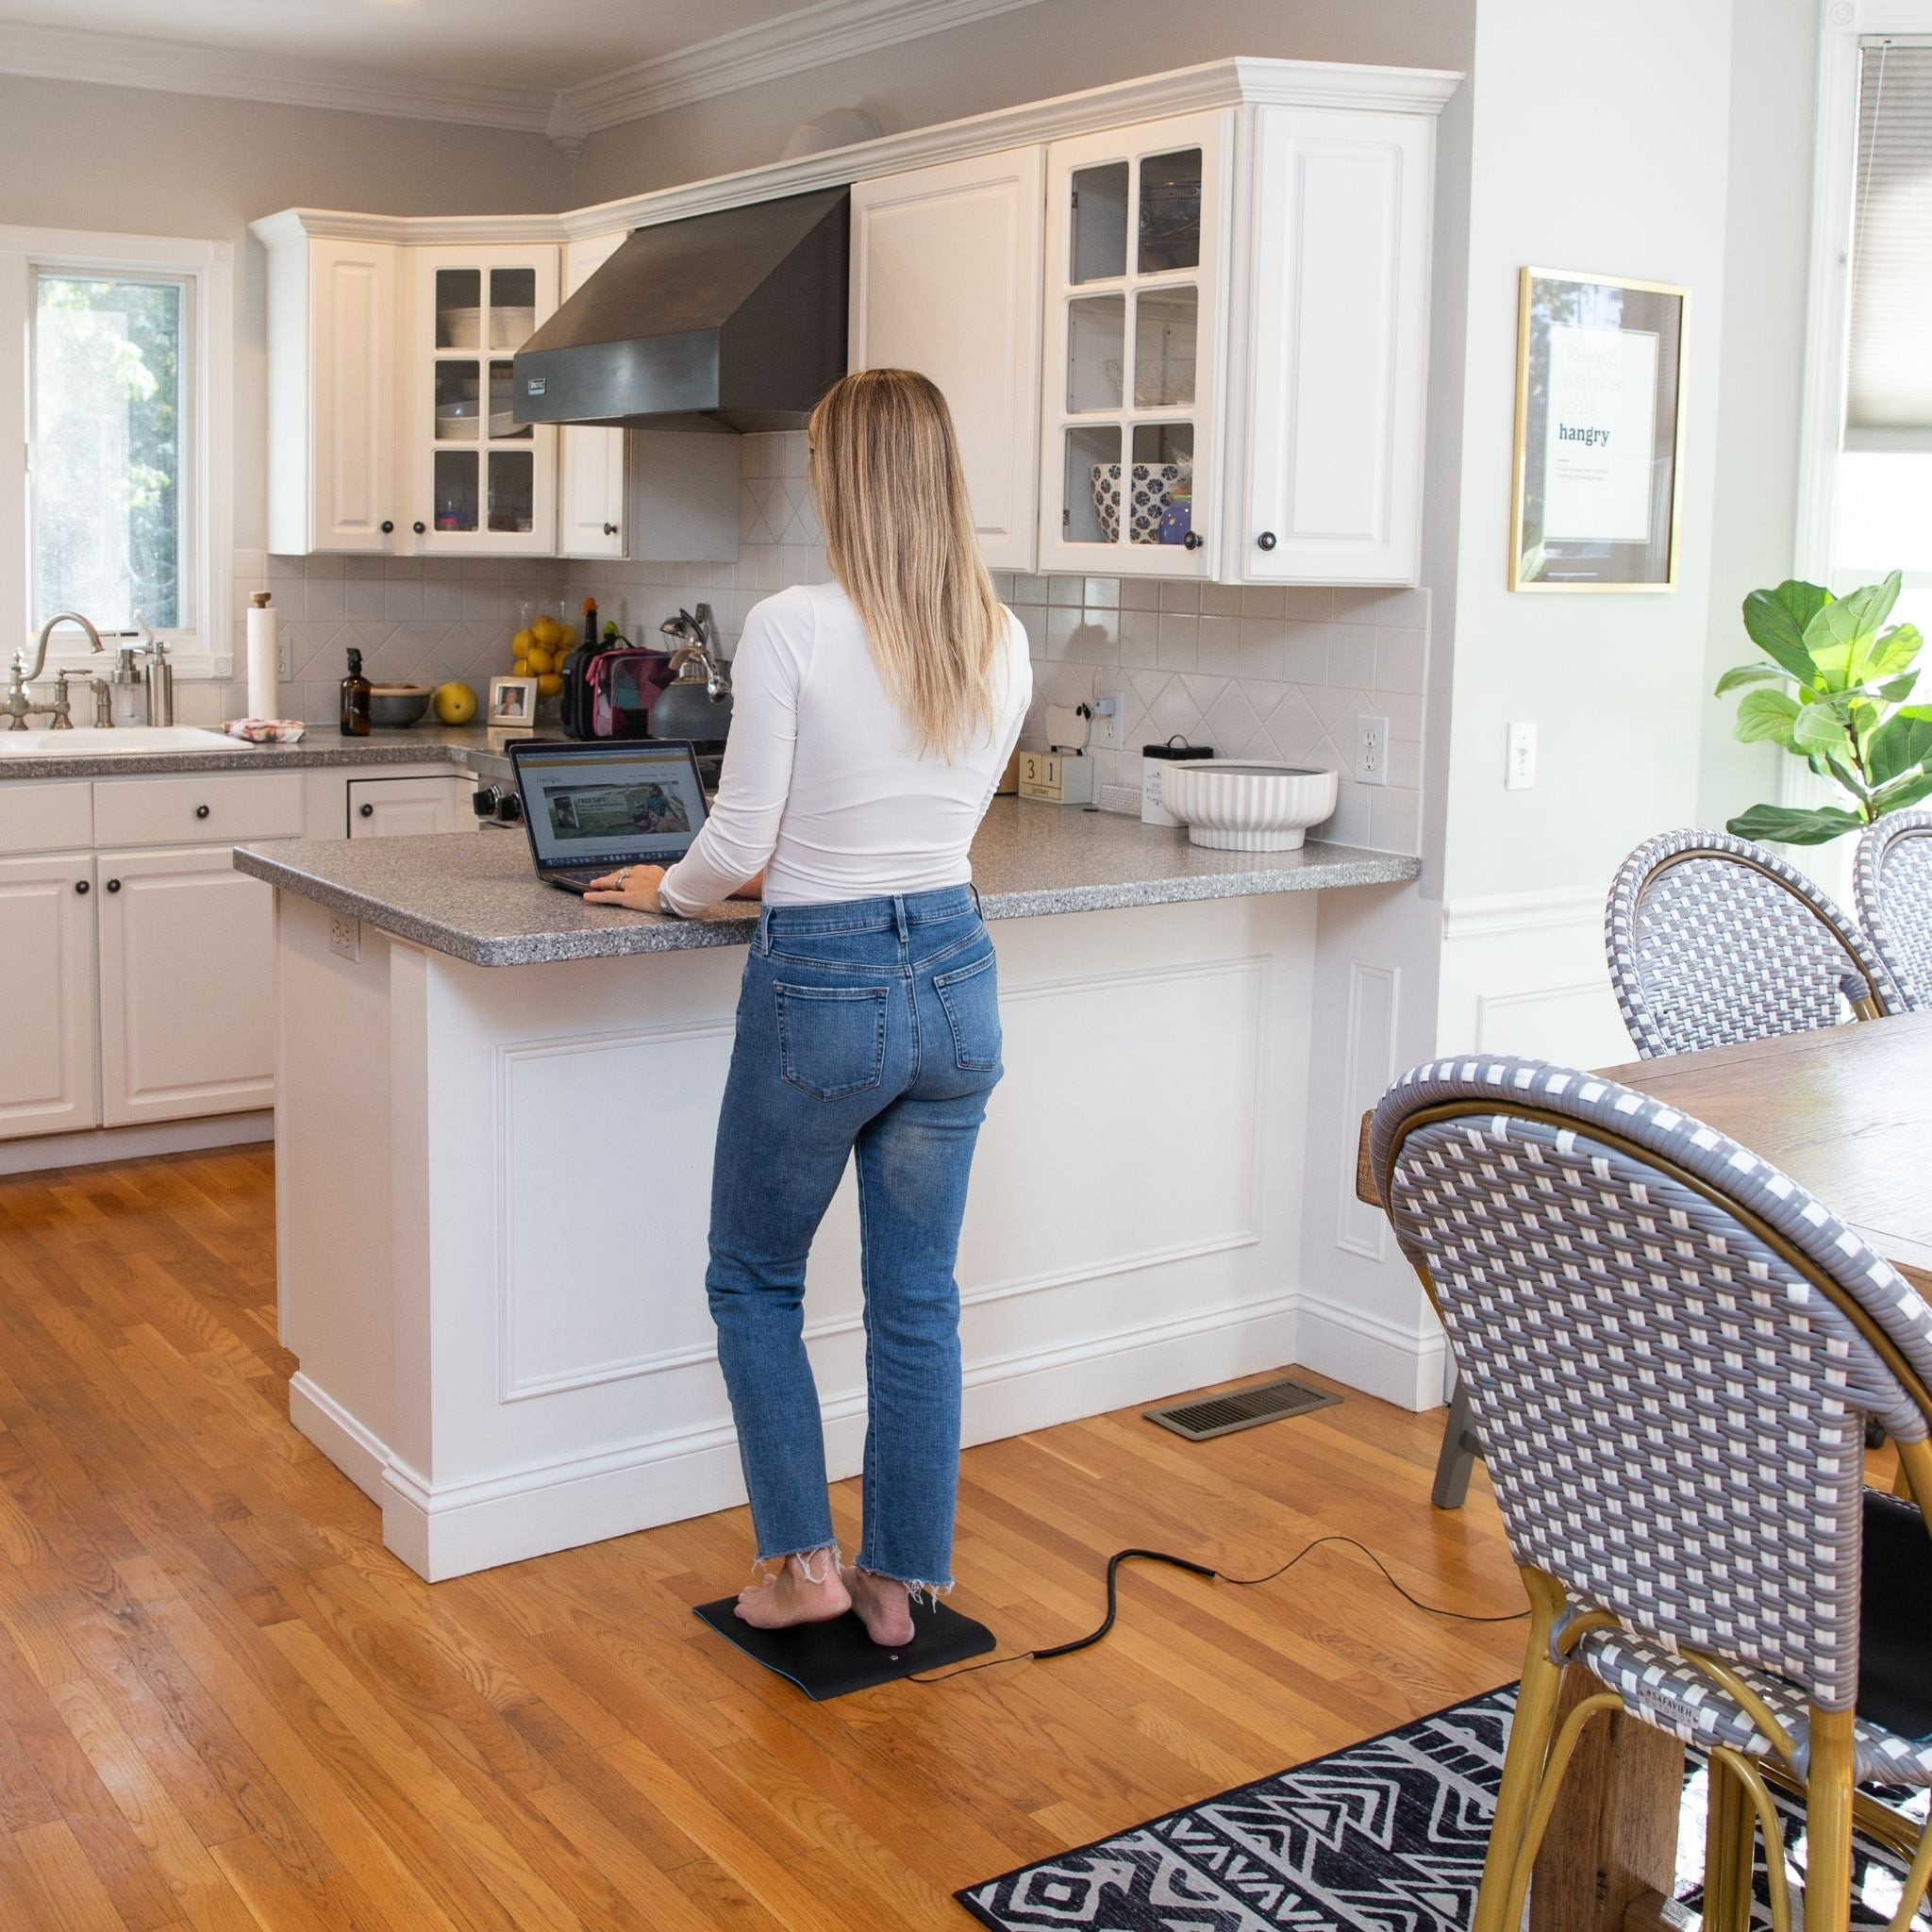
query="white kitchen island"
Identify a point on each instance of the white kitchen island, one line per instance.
(495, 1116)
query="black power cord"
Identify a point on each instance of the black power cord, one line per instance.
(1119, 1556)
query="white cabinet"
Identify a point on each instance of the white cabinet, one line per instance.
(1136, 274)
(479, 482)
(47, 1080)
(1331, 405)
(390, 807)
(590, 462)
(945, 280)
(187, 985)
(331, 402)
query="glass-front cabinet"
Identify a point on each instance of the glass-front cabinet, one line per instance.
(480, 483)
(1136, 274)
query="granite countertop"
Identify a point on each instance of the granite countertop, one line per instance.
(473, 894)
(472, 747)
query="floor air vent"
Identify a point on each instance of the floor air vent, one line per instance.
(1222, 1415)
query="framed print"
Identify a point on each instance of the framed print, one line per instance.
(512, 704)
(1599, 469)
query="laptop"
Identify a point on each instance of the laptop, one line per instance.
(591, 807)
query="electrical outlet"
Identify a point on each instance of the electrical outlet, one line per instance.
(285, 651)
(1519, 772)
(1372, 751)
(1109, 720)
(345, 934)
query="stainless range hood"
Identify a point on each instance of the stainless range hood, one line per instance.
(738, 317)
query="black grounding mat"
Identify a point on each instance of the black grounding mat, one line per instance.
(835, 1659)
(1386, 1836)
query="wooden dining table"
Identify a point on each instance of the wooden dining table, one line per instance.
(1846, 1112)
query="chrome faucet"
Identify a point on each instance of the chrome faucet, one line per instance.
(18, 705)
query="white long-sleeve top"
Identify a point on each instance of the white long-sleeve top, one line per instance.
(823, 789)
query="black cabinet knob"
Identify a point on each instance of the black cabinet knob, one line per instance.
(201, 811)
(81, 887)
(610, 529)
(388, 528)
(418, 526)
(1265, 541)
(113, 885)
(1193, 540)
(368, 812)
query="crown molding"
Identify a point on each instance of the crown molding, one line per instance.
(813, 37)
(1229, 83)
(182, 67)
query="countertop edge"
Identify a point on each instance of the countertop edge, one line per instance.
(1349, 866)
(397, 750)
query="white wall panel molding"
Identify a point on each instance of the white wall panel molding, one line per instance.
(1400, 1362)
(1374, 992)
(1504, 913)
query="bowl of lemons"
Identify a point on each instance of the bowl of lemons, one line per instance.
(536, 650)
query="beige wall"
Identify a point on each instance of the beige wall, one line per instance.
(1055, 47)
(125, 159)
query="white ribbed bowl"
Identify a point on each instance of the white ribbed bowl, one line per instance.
(1246, 805)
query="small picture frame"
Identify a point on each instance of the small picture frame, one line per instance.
(1599, 459)
(512, 704)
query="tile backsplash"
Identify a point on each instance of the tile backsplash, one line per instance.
(1254, 673)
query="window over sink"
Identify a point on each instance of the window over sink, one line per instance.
(121, 510)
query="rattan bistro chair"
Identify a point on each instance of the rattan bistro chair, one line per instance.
(1894, 895)
(1714, 940)
(1671, 1350)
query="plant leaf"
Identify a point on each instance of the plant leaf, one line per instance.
(1901, 792)
(1895, 650)
(1840, 635)
(1767, 714)
(1894, 691)
(1776, 622)
(1901, 745)
(1789, 825)
(1749, 674)
(1819, 728)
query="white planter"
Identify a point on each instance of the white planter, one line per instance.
(1244, 805)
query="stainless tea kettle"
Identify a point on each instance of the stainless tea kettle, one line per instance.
(698, 703)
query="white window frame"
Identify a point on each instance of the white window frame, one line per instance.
(204, 647)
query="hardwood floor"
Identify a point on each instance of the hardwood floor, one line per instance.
(223, 1704)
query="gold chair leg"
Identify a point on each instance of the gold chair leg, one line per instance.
(1917, 1880)
(1746, 1778)
(1522, 1763)
(1829, 1823)
(1539, 1822)
(1728, 1844)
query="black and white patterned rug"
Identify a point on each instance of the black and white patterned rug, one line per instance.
(1387, 1835)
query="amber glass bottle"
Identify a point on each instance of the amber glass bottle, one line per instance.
(354, 699)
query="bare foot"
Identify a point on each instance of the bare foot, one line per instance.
(790, 1595)
(883, 1607)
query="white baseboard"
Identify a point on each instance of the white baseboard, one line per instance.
(468, 1527)
(94, 1145)
(1365, 1352)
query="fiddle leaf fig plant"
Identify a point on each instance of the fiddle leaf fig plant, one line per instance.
(1836, 694)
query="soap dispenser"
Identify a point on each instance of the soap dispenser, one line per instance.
(356, 696)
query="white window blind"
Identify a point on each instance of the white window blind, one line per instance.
(1888, 390)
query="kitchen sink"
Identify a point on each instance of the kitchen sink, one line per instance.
(126, 740)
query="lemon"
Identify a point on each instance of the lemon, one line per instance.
(521, 668)
(546, 630)
(456, 704)
(567, 637)
(520, 644)
(548, 684)
(540, 659)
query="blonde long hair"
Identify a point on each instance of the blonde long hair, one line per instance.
(899, 536)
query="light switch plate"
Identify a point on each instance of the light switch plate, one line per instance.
(1519, 772)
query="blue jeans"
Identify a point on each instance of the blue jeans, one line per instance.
(867, 1028)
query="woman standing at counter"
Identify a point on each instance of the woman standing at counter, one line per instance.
(872, 719)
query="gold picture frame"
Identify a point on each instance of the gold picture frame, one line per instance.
(1597, 471)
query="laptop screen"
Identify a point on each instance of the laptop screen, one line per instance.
(621, 804)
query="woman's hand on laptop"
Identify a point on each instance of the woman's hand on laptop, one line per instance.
(635, 886)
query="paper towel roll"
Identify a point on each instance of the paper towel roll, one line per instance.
(264, 660)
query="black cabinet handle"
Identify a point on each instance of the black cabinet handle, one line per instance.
(610, 529)
(201, 811)
(368, 812)
(1265, 541)
(1193, 540)
(388, 528)
(113, 885)
(417, 526)
(81, 887)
